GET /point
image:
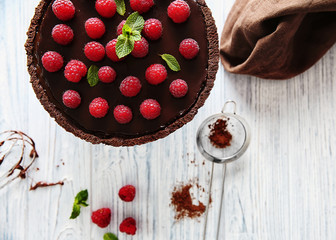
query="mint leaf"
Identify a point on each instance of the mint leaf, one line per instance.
(131, 32)
(82, 197)
(126, 30)
(110, 236)
(171, 62)
(124, 46)
(121, 8)
(135, 35)
(75, 211)
(80, 200)
(92, 75)
(135, 21)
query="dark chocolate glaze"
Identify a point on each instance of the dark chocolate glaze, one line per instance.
(194, 71)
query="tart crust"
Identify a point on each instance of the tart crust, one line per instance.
(41, 93)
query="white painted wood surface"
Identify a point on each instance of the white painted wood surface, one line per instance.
(284, 187)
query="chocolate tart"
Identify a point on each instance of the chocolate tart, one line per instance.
(199, 73)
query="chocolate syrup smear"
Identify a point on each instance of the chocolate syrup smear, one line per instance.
(44, 184)
(13, 147)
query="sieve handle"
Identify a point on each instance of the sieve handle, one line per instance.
(228, 103)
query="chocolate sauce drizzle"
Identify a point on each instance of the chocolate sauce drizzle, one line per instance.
(45, 184)
(19, 139)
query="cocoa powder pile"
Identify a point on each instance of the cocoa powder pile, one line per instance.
(182, 202)
(220, 137)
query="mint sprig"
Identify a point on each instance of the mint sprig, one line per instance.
(171, 62)
(121, 8)
(92, 75)
(124, 46)
(135, 21)
(80, 201)
(110, 236)
(131, 32)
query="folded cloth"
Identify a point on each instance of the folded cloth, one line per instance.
(277, 39)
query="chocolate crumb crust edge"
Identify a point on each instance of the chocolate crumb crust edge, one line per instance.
(60, 118)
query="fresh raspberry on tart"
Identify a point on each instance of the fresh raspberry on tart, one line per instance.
(111, 51)
(95, 28)
(130, 86)
(120, 27)
(141, 6)
(189, 48)
(178, 88)
(156, 74)
(153, 29)
(75, 70)
(107, 74)
(52, 61)
(122, 114)
(62, 34)
(150, 109)
(71, 99)
(179, 11)
(141, 48)
(106, 8)
(98, 107)
(94, 51)
(63, 9)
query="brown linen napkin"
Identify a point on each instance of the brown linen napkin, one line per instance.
(277, 39)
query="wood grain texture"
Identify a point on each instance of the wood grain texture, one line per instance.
(284, 187)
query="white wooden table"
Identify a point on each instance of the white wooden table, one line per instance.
(284, 187)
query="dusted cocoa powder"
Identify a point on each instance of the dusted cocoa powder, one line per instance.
(182, 202)
(220, 137)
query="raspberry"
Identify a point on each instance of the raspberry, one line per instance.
(62, 34)
(75, 70)
(120, 27)
(150, 109)
(178, 88)
(63, 9)
(98, 107)
(140, 49)
(189, 48)
(130, 86)
(107, 74)
(101, 217)
(153, 29)
(95, 28)
(156, 74)
(128, 226)
(141, 6)
(122, 114)
(111, 51)
(127, 193)
(71, 99)
(52, 61)
(179, 11)
(106, 8)
(94, 51)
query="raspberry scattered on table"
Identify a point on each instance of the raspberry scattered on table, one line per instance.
(127, 193)
(128, 226)
(101, 217)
